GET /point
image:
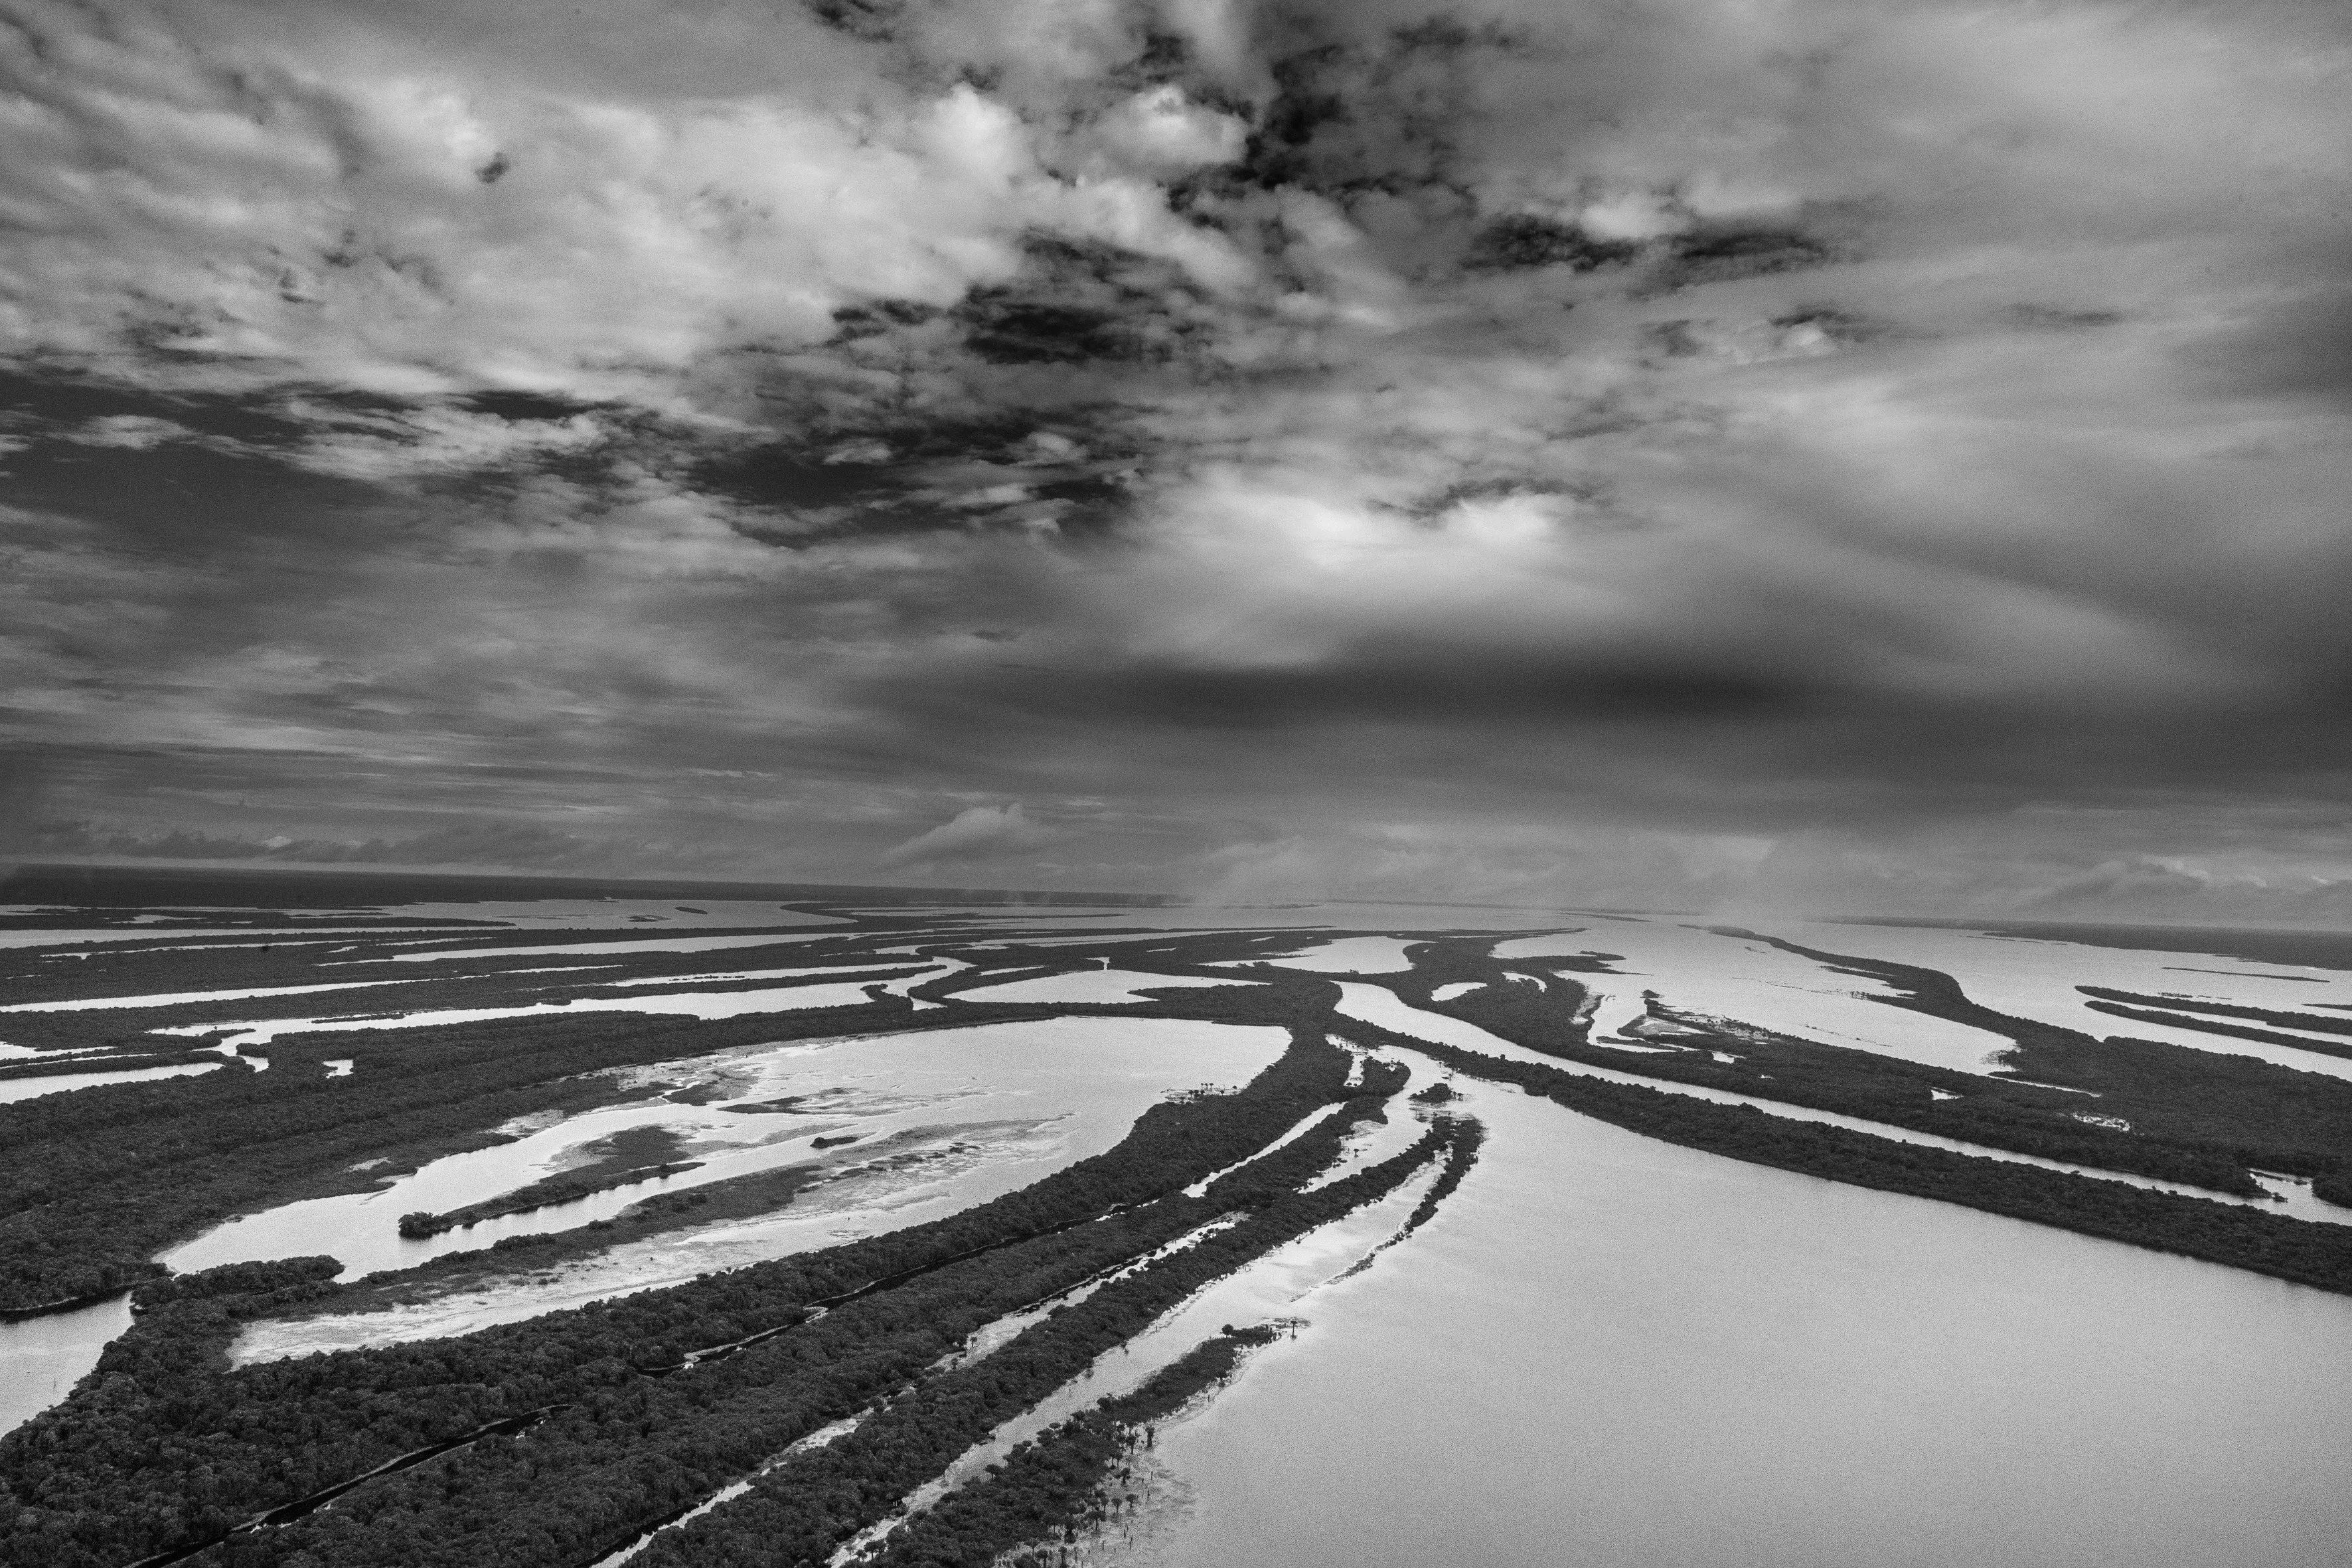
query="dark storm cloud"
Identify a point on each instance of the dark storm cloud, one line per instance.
(2303, 350)
(1889, 453)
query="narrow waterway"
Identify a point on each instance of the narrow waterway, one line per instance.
(66, 1082)
(2041, 980)
(1376, 1004)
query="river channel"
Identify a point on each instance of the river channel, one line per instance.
(1610, 1351)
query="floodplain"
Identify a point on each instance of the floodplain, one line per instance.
(561, 1226)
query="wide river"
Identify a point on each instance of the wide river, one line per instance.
(1612, 1352)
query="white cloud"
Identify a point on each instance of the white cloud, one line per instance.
(2025, 484)
(283, 205)
(1162, 131)
(133, 432)
(358, 445)
(976, 833)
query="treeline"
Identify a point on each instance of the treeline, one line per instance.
(99, 1180)
(264, 1284)
(2318, 1022)
(1469, 1137)
(393, 995)
(562, 1189)
(134, 1055)
(1546, 1014)
(2306, 1252)
(160, 1445)
(631, 1155)
(747, 1196)
(2251, 1112)
(2218, 1027)
(807, 1508)
(1061, 1483)
(118, 970)
(389, 1527)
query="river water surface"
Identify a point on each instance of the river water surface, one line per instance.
(1612, 1352)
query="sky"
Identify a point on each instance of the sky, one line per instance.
(1864, 455)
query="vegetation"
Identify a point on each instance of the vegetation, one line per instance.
(635, 1154)
(549, 1443)
(2231, 1031)
(103, 1178)
(805, 1509)
(126, 1060)
(2317, 949)
(2318, 1022)
(2306, 1252)
(99, 1180)
(2271, 1118)
(1547, 1013)
(160, 1447)
(1060, 1483)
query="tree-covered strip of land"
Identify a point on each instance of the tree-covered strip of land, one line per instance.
(162, 1446)
(1055, 1487)
(803, 1510)
(137, 1028)
(2259, 1114)
(2220, 1027)
(109, 1061)
(658, 1213)
(99, 1180)
(122, 969)
(2315, 949)
(629, 1156)
(2025, 1119)
(2306, 1252)
(2195, 1118)
(2319, 1022)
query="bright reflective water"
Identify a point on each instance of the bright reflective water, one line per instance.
(1612, 1352)
(2034, 979)
(1376, 1004)
(1353, 955)
(42, 1358)
(65, 1082)
(1730, 977)
(1083, 986)
(181, 999)
(1014, 1101)
(689, 1003)
(1278, 1285)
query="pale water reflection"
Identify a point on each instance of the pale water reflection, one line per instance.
(66, 1082)
(2039, 980)
(997, 1105)
(1353, 955)
(1730, 977)
(42, 1358)
(1090, 987)
(1376, 1005)
(1614, 1352)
